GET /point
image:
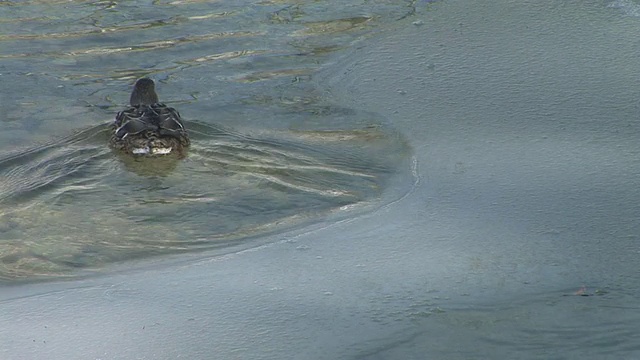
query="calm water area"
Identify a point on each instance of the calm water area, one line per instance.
(367, 180)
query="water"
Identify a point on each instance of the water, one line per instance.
(517, 240)
(269, 152)
(524, 121)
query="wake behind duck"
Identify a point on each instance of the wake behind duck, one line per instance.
(148, 127)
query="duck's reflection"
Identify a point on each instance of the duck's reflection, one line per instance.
(143, 165)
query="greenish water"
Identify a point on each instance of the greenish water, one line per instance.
(270, 151)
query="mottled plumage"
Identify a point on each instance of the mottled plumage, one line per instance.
(148, 126)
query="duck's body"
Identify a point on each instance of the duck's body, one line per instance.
(148, 127)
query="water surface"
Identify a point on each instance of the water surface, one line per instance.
(269, 152)
(518, 241)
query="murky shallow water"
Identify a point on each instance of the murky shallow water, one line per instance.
(269, 152)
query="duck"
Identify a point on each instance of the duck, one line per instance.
(147, 126)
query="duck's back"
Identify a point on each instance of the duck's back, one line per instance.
(149, 129)
(148, 126)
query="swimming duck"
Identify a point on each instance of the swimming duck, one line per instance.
(148, 127)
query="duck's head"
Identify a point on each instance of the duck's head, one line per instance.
(144, 93)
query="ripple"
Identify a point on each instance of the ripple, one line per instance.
(232, 187)
(71, 204)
